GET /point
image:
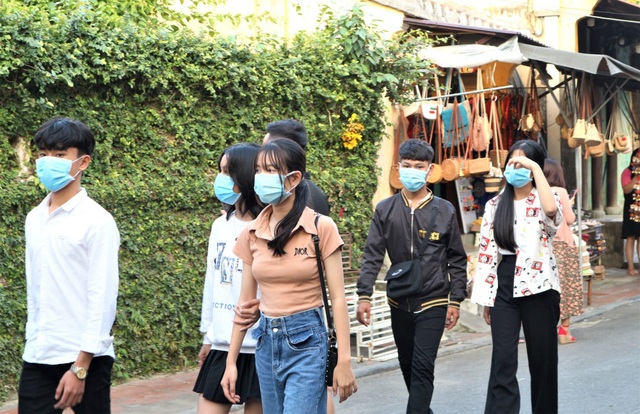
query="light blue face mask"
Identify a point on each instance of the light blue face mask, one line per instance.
(270, 188)
(223, 187)
(53, 172)
(413, 179)
(517, 177)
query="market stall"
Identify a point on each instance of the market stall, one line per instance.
(590, 85)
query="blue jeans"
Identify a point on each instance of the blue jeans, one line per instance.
(291, 356)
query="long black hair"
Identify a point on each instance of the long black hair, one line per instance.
(241, 160)
(505, 215)
(287, 156)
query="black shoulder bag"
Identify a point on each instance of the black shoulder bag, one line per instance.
(332, 349)
(405, 279)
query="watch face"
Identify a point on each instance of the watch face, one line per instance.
(81, 373)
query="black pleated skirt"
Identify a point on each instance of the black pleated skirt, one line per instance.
(210, 375)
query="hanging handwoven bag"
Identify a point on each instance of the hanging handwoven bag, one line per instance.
(498, 154)
(451, 164)
(481, 130)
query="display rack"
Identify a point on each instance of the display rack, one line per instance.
(596, 246)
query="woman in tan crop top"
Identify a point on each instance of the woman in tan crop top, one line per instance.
(279, 258)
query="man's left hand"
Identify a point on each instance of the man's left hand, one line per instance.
(69, 392)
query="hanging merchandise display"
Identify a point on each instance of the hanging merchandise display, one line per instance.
(592, 136)
(453, 159)
(580, 129)
(480, 136)
(456, 128)
(433, 139)
(624, 120)
(531, 122)
(609, 134)
(566, 130)
(595, 141)
(498, 154)
(400, 135)
(476, 166)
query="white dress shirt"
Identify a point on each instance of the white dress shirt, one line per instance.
(72, 281)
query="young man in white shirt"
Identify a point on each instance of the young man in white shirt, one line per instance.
(71, 266)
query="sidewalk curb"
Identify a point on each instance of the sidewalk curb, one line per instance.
(597, 311)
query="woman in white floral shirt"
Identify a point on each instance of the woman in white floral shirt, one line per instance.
(517, 282)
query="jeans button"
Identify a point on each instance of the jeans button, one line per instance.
(275, 329)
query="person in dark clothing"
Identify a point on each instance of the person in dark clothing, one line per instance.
(630, 181)
(294, 130)
(415, 224)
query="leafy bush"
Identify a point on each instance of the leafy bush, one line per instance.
(163, 104)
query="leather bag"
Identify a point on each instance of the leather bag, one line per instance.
(400, 135)
(622, 144)
(455, 117)
(475, 166)
(456, 125)
(597, 151)
(532, 121)
(452, 163)
(492, 184)
(580, 128)
(498, 154)
(481, 131)
(435, 140)
(592, 137)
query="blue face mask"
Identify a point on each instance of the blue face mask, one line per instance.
(413, 179)
(223, 187)
(517, 177)
(53, 172)
(270, 188)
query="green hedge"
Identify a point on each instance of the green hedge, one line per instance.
(163, 104)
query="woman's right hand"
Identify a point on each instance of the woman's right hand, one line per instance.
(487, 315)
(344, 381)
(228, 384)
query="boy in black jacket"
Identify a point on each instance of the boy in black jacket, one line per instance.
(427, 280)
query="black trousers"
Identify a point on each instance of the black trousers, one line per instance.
(38, 384)
(538, 315)
(417, 337)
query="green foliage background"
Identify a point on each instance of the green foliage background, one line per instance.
(163, 103)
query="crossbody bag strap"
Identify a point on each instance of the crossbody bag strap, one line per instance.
(316, 243)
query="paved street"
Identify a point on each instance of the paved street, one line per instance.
(600, 373)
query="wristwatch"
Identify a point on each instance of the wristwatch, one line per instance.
(79, 372)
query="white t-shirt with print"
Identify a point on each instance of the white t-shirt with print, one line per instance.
(222, 286)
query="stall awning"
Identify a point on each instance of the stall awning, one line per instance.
(583, 62)
(511, 51)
